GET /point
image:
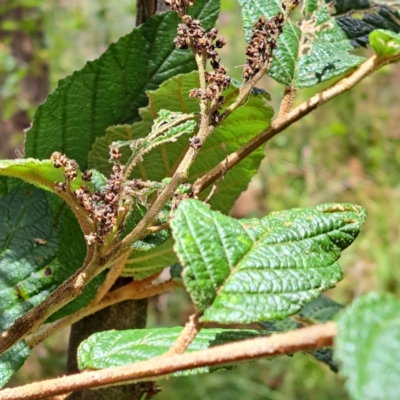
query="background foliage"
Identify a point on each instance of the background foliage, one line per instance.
(353, 156)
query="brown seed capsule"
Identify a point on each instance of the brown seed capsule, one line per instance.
(115, 153)
(195, 143)
(87, 176)
(60, 187)
(55, 159)
(221, 42)
(91, 239)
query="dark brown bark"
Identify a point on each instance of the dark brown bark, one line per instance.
(147, 8)
(34, 87)
(126, 315)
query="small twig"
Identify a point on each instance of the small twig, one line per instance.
(308, 338)
(132, 291)
(280, 124)
(287, 101)
(157, 228)
(62, 397)
(112, 276)
(190, 331)
(211, 194)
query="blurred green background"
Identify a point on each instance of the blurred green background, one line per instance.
(346, 151)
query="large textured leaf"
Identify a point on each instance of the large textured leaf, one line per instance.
(309, 53)
(42, 174)
(12, 361)
(37, 253)
(161, 162)
(385, 43)
(261, 269)
(367, 346)
(118, 348)
(358, 18)
(111, 89)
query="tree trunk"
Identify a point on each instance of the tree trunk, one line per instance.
(130, 314)
(126, 315)
(147, 8)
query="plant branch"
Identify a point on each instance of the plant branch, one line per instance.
(132, 291)
(190, 331)
(308, 338)
(280, 124)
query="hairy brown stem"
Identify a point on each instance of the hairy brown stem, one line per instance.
(280, 124)
(308, 338)
(132, 291)
(190, 331)
(287, 101)
(112, 276)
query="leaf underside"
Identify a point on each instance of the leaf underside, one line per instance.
(253, 270)
(367, 347)
(118, 348)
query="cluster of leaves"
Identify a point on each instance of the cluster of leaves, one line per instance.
(236, 271)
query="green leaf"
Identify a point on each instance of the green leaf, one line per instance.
(261, 269)
(385, 43)
(12, 361)
(28, 243)
(313, 51)
(367, 346)
(149, 242)
(118, 348)
(111, 89)
(318, 311)
(358, 18)
(39, 250)
(98, 180)
(42, 174)
(145, 263)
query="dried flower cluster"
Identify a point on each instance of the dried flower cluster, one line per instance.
(192, 34)
(179, 6)
(102, 207)
(262, 43)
